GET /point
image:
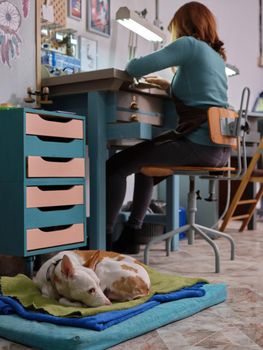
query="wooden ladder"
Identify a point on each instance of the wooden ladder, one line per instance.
(252, 175)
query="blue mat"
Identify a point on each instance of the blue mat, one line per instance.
(101, 321)
(48, 336)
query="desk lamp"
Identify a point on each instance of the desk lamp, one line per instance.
(231, 70)
(138, 24)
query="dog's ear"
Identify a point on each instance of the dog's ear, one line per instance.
(66, 266)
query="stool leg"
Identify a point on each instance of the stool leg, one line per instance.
(213, 245)
(168, 244)
(191, 209)
(221, 234)
(166, 236)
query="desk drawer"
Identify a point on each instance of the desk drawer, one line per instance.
(55, 167)
(138, 107)
(140, 117)
(48, 147)
(54, 216)
(54, 126)
(55, 236)
(51, 196)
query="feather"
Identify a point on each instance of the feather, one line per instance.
(11, 48)
(25, 4)
(6, 49)
(3, 51)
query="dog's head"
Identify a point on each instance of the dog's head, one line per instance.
(79, 284)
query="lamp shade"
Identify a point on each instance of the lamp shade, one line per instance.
(132, 21)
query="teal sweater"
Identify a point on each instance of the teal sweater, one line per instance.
(200, 79)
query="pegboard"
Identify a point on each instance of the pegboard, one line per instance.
(59, 9)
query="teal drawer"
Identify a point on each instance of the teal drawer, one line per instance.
(35, 217)
(47, 147)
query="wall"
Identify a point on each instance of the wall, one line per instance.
(14, 79)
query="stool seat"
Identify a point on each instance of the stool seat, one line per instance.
(170, 170)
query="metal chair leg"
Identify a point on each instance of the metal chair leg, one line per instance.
(224, 235)
(165, 236)
(213, 245)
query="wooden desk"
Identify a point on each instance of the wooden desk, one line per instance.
(97, 95)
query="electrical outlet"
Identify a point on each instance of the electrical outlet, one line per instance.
(260, 61)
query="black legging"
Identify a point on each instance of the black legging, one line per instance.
(132, 159)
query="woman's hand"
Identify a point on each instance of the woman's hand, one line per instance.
(162, 83)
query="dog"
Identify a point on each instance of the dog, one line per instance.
(92, 278)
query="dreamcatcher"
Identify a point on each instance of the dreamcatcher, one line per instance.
(10, 22)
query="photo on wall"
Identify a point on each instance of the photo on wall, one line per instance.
(98, 15)
(87, 54)
(74, 9)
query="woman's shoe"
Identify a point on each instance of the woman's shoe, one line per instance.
(126, 243)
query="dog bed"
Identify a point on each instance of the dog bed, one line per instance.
(103, 320)
(48, 336)
(22, 288)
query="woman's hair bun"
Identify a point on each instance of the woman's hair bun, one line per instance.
(217, 45)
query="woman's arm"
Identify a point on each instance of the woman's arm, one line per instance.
(174, 54)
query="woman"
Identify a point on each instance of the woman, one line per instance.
(200, 82)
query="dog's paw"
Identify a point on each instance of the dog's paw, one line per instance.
(67, 302)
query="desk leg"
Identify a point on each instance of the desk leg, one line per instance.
(172, 208)
(97, 146)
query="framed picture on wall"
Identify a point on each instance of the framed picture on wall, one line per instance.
(74, 9)
(98, 15)
(87, 54)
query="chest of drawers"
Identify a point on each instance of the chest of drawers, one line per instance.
(42, 182)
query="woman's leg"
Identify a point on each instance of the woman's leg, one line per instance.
(142, 195)
(129, 161)
(119, 167)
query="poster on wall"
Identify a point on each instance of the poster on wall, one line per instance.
(98, 14)
(74, 9)
(87, 54)
(10, 23)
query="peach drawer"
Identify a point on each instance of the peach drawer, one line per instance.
(37, 238)
(37, 197)
(68, 128)
(43, 167)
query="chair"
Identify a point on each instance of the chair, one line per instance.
(227, 128)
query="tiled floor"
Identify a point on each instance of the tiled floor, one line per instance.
(236, 324)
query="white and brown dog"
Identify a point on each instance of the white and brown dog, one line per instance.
(92, 278)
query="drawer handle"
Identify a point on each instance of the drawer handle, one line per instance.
(134, 118)
(134, 104)
(55, 208)
(55, 188)
(56, 119)
(56, 159)
(54, 228)
(54, 139)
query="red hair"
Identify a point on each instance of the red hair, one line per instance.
(195, 19)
